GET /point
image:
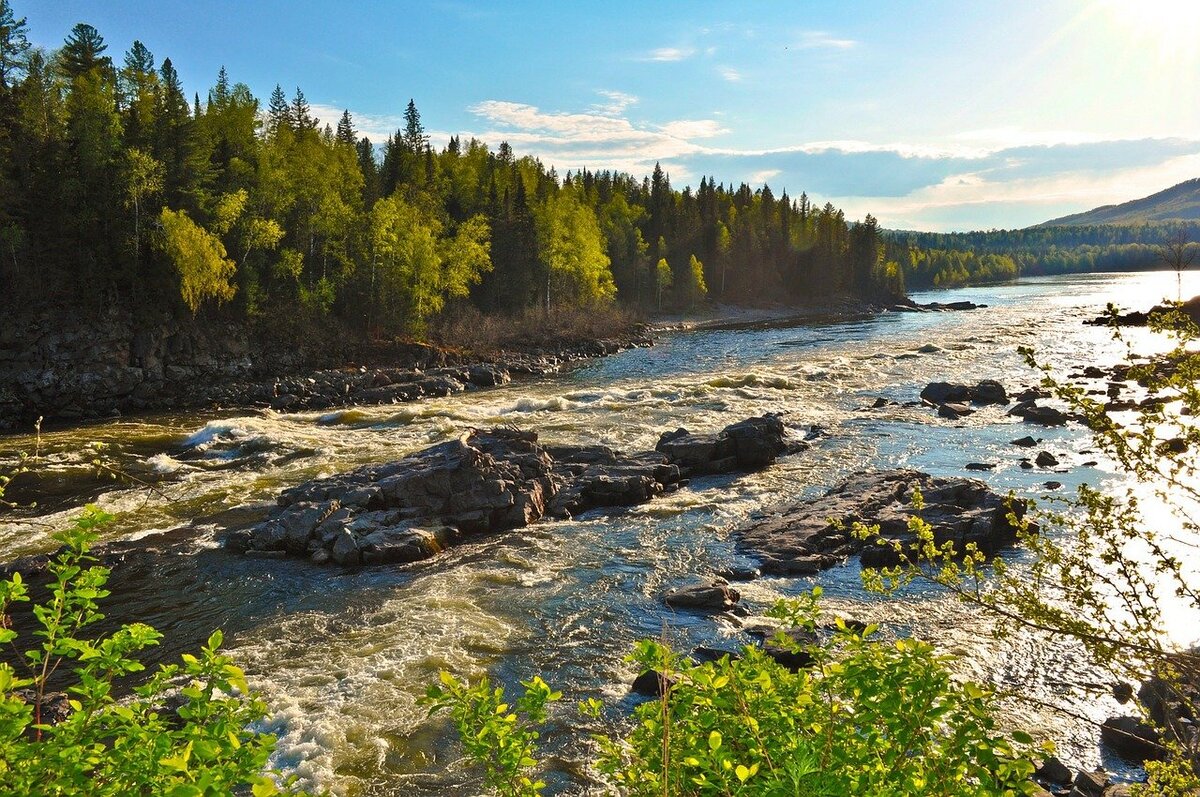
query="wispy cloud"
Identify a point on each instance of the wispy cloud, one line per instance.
(670, 54)
(595, 139)
(616, 102)
(729, 73)
(824, 40)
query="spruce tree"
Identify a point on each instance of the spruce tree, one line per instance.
(14, 46)
(279, 113)
(345, 130)
(414, 139)
(301, 112)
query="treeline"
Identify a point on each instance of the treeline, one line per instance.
(947, 259)
(120, 190)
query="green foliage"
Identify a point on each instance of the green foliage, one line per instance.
(108, 744)
(416, 267)
(572, 252)
(663, 278)
(867, 717)
(694, 287)
(500, 737)
(199, 259)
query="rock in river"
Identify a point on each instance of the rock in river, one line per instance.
(801, 539)
(486, 481)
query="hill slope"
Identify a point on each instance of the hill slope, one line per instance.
(1177, 202)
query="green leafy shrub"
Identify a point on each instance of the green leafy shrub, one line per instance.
(867, 717)
(185, 731)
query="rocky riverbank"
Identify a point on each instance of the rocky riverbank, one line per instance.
(71, 371)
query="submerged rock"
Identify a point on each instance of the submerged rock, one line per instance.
(487, 481)
(815, 534)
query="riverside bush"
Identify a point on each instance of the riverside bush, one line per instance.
(185, 731)
(868, 717)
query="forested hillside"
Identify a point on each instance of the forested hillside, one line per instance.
(1180, 202)
(122, 188)
(946, 259)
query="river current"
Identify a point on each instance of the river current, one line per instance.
(343, 657)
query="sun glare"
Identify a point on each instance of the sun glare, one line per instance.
(1172, 27)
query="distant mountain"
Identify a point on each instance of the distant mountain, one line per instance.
(1179, 202)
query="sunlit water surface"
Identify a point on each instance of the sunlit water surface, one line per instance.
(344, 656)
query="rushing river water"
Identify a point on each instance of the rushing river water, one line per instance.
(344, 656)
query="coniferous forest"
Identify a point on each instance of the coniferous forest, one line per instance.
(123, 188)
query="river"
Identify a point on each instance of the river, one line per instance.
(343, 656)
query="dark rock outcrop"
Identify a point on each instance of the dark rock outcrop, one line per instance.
(1131, 739)
(801, 539)
(953, 401)
(748, 444)
(488, 481)
(1045, 416)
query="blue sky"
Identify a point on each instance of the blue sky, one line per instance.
(932, 115)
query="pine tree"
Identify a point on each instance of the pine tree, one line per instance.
(219, 95)
(81, 53)
(370, 171)
(14, 46)
(279, 113)
(345, 130)
(138, 85)
(414, 139)
(301, 113)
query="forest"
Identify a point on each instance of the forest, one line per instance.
(119, 189)
(948, 259)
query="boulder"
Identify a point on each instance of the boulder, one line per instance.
(1090, 784)
(1131, 739)
(652, 683)
(814, 534)
(715, 596)
(792, 650)
(1032, 413)
(1054, 772)
(954, 411)
(748, 444)
(943, 392)
(1045, 459)
(989, 391)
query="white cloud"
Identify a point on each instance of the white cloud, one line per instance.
(617, 102)
(693, 128)
(820, 39)
(729, 73)
(1038, 198)
(670, 54)
(596, 139)
(762, 176)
